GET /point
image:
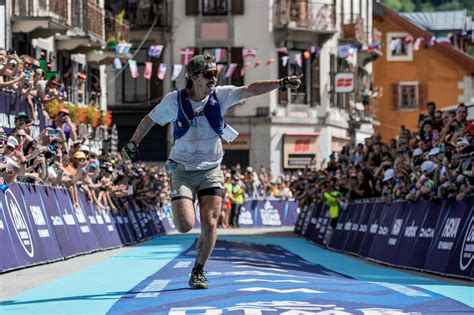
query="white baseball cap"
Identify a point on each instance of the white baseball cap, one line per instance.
(428, 167)
(434, 151)
(12, 142)
(417, 152)
(388, 175)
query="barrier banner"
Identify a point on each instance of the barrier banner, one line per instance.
(166, 218)
(291, 213)
(352, 227)
(315, 210)
(307, 219)
(123, 226)
(447, 232)
(379, 245)
(96, 223)
(44, 238)
(373, 227)
(113, 233)
(299, 221)
(397, 224)
(134, 223)
(248, 215)
(78, 221)
(322, 226)
(462, 255)
(359, 229)
(414, 219)
(9, 259)
(339, 235)
(23, 232)
(425, 236)
(156, 221)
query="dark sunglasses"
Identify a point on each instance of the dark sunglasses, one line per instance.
(209, 74)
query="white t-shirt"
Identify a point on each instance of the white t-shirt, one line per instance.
(200, 148)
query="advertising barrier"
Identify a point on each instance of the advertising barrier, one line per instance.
(425, 236)
(40, 224)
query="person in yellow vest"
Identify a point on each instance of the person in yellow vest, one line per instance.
(332, 197)
(239, 199)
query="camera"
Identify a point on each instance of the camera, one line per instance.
(11, 51)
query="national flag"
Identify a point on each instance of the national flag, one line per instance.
(155, 51)
(257, 63)
(284, 60)
(270, 61)
(220, 54)
(162, 71)
(298, 60)
(418, 41)
(148, 70)
(186, 55)
(133, 68)
(244, 67)
(230, 70)
(176, 71)
(282, 50)
(117, 64)
(123, 48)
(249, 52)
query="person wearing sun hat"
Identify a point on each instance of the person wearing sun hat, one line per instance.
(196, 112)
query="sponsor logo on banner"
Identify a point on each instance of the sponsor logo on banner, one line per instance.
(245, 217)
(56, 220)
(270, 215)
(374, 227)
(39, 220)
(2, 225)
(81, 219)
(68, 218)
(410, 231)
(19, 223)
(467, 249)
(450, 231)
(397, 227)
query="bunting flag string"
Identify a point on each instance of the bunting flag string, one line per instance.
(244, 68)
(270, 61)
(155, 51)
(162, 71)
(282, 50)
(148, 70)
(230, 70)
(176, 71)
(249, 52)
(432, 41)
(123, 48)
(133, 68)
(117, 63)
(284, 60)
(417, 44)
(298, 60)
(257, 63)
(220, 54)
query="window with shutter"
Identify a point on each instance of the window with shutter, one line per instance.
(215, 7)
(282, 72)
(192, 7)
(237, 7)
(236, 57)
(408, 95)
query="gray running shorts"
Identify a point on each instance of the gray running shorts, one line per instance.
(187, 184)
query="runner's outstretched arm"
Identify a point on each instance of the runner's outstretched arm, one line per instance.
(265, 86)
(143, 128)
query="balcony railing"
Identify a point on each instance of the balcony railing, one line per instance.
(41, 8)
(95, 19)
(355, 30)
(305, 14)
(116, 28)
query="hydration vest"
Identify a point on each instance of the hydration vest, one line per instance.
(185, 119)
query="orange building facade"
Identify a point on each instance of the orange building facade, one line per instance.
(409, 79)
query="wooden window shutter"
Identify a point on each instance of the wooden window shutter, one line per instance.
(237, 7)
(282, 72)
(422, 95)
(236, 57)
(395, 96)
(192, 7)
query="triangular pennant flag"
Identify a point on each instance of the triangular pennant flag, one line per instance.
(407, 40)
(282, 50)
(343, 51)
(270, 61)
(284, 60)
(220, 54)
(155, 51)
(257, 63)
(417, 44)
(148, 70)
(117, 64)
(298, 60)
(133, 68)
(123, 48)
(186, 55)
(443, 40)
(176, 71)
(249, 52)
(162, 71)
(220, 67)
(306, 54)
(244, 67)
(230, 70)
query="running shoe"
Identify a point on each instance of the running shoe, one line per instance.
(198, 280)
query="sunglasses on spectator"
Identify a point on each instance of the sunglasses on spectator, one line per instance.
(81, 160)
(209, 74)
(20, 136)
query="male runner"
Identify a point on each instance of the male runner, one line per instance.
(194, 163)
